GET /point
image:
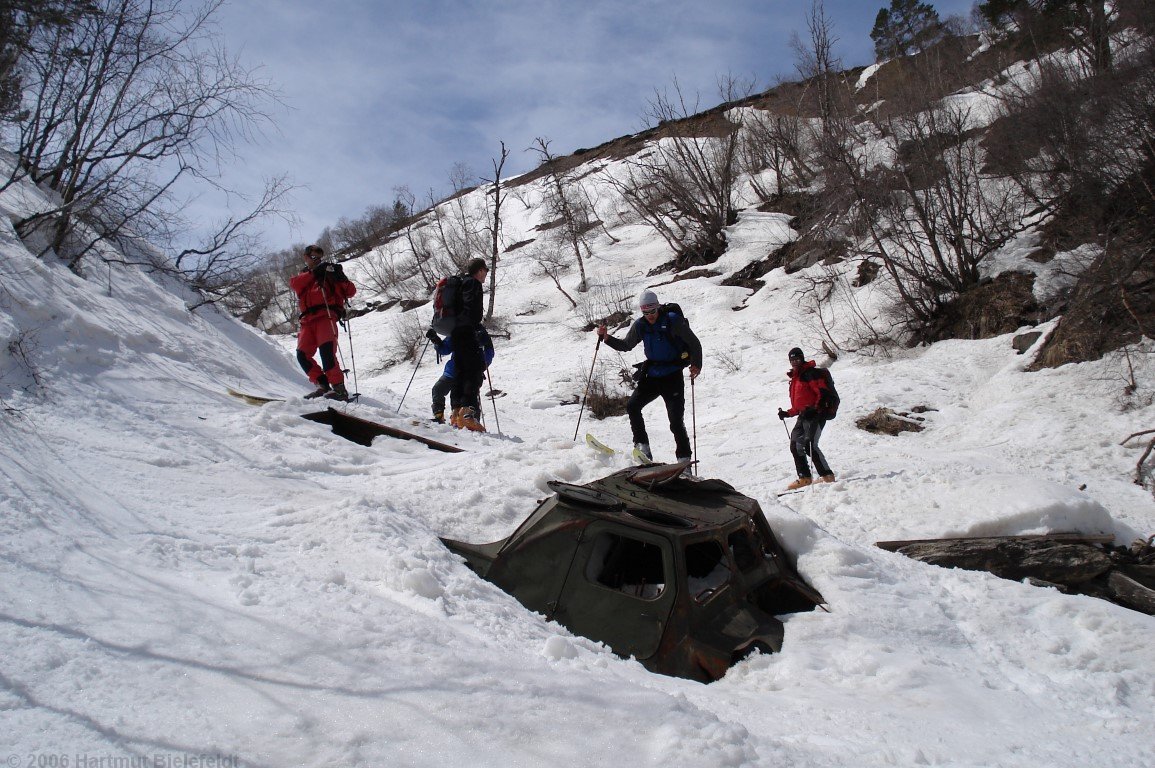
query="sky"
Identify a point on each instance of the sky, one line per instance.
(381, 94)
(189, 580)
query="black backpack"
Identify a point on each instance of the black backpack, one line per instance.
(678, 319)
(446, 304)
(829, 401)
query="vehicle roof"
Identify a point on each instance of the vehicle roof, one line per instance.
(680, 504)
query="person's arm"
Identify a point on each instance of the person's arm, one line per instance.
(693, 345)
(625, 344)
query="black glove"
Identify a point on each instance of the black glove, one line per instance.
(323, 272)
(433, 337)
(783, 414)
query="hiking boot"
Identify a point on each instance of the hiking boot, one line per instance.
(642, 451)
(321, 390)
(455, 418)
(339, 393)
(801, 482)
(469, 420)
(827, 478)
(439, 417)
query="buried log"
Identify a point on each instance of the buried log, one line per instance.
(362, 431)
(1071, 562)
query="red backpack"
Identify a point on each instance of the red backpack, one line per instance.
(446, 304)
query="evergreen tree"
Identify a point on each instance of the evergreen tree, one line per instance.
(908, 26)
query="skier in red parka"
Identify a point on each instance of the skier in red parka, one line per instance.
(322, 290)
(808, 396)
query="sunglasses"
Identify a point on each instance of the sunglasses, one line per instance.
(650, 311)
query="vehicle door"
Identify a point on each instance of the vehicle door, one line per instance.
(620, 589)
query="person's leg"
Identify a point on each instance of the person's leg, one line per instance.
(645, 393)
(820, 466)
(440, 390)
(326, 336)
(467, 363)
(799, 447)
(673, 391)
(306, 348)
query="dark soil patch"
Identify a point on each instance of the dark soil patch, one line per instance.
(998, 306)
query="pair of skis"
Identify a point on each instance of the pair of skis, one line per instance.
(605, 450)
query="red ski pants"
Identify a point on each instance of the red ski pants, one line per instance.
(319, 332)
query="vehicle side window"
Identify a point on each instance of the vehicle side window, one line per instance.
(744, 551)
(627, 565)
(707, 569)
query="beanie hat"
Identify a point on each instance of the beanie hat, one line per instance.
(647, 300)
(796, 354)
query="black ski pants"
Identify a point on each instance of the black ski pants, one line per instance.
(804, 443)
(672, 390)
(468, 369)
(440, 390)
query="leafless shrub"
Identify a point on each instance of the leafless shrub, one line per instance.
(729, 362)
(602, 399)
(776, 143)
(684, 187)
(552, 262)
(604, 300)
(408, 337)
(23, 374)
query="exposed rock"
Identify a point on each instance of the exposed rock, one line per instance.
(1025, 341)
(887, 422)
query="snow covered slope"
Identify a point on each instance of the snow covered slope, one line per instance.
(189, 580)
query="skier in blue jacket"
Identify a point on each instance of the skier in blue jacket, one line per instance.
(670, 346)
(444, 385)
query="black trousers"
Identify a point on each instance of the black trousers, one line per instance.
(468, 369)
(440, 390)
(672, 390)
(804, 443)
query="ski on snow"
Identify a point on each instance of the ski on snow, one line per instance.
(604, 449)
(264, 400)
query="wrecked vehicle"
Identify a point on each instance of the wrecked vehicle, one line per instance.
(683, 574)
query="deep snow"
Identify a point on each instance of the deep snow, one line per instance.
(189, 580)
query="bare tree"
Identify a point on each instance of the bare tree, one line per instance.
(567, 202)
(498, 195)
(777, 143)
(133, 97)
(684, 186)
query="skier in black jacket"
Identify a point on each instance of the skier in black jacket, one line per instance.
(468, 361)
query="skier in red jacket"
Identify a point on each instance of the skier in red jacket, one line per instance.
(322, 290)
(807, 398)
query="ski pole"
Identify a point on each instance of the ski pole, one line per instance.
(587, 392)
(694, 421)
(352, 357)
(493, 400)
(410, 384)
(336, 341)
(785, 428)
